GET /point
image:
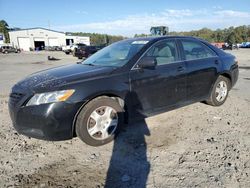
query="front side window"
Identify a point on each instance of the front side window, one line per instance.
(196, 50)
(164, 52)
(117, 54)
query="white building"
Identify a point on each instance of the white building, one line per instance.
(41, 37)
(1, 38)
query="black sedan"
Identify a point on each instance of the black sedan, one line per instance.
(85, 51)
(134, 77)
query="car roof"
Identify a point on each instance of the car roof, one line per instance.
(154, 39)
(158, 38)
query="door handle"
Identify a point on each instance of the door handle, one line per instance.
(216, 62)
(180, 69)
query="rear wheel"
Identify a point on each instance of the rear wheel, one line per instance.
(220, 91)
(99, 121)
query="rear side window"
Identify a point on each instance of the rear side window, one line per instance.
(196, 50)
(165, 52)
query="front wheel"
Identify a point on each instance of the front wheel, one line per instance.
(220, 91)
(99, 121)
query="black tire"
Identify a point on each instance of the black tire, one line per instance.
(84, 115)
(74, 52)
(212, 98)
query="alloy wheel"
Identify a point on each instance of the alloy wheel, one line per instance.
(221, 91)
(102, 123)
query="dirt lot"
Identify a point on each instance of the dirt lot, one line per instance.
(195, 146)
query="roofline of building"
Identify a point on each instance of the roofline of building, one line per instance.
(38, 28)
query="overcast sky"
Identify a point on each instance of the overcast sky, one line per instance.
(125, 17)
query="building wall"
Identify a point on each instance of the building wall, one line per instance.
(1, 38)
(79, 39)
(35, 35)
(40, 34)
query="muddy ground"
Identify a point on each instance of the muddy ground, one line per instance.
(194, 146)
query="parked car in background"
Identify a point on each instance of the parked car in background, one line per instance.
(130, 78)
(70, 48)
(218, 44)
(85, 51)
(53, 48)
(65, 48)
(227, 46)
(245, 45)
(9, 49)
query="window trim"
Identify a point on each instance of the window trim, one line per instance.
(177, 52)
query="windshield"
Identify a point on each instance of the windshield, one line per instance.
(117, 54)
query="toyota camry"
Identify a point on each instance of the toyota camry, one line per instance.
(132, 78)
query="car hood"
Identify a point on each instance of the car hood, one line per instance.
(57, 77)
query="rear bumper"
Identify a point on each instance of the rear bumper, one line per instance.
(52, 122)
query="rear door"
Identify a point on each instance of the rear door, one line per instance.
(163, 86)
(202, 64)
(12, 49)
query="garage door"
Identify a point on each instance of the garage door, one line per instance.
(24, 44)
(53, 42)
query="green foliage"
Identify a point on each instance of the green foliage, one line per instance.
(4, 28)
(141, 35)
(99, 39)
(231, 35)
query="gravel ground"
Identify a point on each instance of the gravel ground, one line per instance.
(194, 146)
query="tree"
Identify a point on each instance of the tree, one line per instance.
(233, 35)
(231, 39)
(140, 35)
(4, 28)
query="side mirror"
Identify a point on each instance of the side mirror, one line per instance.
(147, 63)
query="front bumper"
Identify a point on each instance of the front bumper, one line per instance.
(81, 54)
(52, 121)
(234, 74)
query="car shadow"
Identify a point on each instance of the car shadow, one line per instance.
(128, 165)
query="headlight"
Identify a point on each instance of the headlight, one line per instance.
(49, 97)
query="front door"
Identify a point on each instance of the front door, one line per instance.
(164, 86)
